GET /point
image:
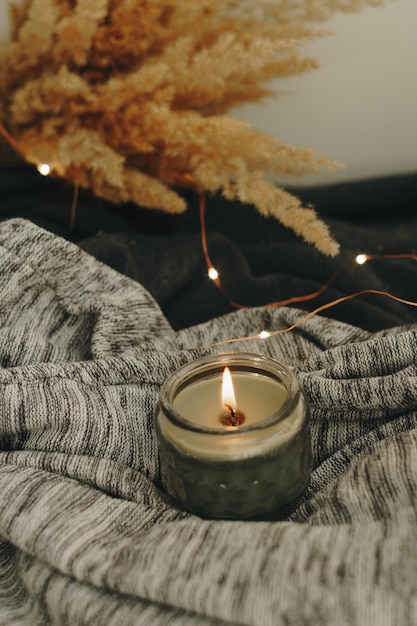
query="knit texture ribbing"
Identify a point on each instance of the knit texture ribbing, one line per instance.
(88, 537)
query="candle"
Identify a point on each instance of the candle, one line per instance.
(233, 436)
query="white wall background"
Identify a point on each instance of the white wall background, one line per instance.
(360, 106)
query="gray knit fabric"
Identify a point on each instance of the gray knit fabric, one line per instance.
(87, 537)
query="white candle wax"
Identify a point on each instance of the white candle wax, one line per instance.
(258, 397)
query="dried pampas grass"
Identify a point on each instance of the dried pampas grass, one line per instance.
(129, 97)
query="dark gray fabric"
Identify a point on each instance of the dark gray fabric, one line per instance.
(259, 260)
(87, 535)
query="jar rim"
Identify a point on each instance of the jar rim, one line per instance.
(214, 364)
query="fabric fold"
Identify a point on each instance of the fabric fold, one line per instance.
(87, 534)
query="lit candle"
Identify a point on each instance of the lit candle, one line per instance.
(231, 417)
(233, 436)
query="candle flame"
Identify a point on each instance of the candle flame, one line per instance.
(228, 392)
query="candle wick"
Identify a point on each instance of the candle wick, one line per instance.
(232, 413)
(233, 418)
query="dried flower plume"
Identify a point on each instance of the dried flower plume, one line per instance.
(129, 97)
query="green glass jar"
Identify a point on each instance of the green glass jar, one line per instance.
(234, 462)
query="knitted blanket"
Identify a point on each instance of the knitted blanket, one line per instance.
(87, 535)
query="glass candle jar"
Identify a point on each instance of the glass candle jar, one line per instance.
(241, 462)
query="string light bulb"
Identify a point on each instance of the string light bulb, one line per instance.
(44, 169)
(361, 259)
(213, 273)
(264, 334)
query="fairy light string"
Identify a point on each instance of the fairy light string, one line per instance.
(360, 259)
(45, 170)
(11, 141)
(213, 273)
(267, 334)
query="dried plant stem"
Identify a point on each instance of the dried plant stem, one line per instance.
(129, 98)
